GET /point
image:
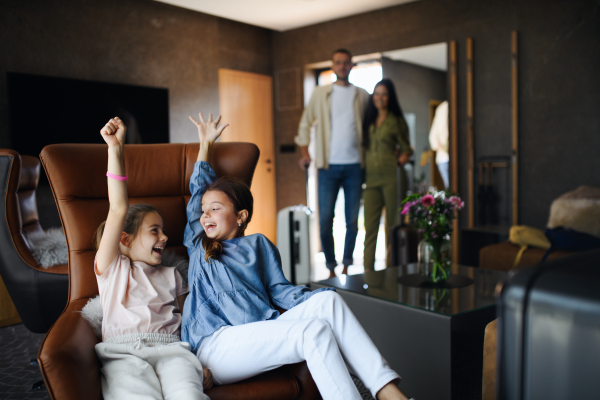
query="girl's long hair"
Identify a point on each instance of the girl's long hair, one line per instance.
(133, 221)
(371, 111)
(240, 196)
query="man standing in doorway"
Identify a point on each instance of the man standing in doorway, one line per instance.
(338, 111)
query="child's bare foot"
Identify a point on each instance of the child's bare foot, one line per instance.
(332, 274)
(391, 392)
(345, 270)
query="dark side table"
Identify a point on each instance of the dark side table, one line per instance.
(433, 337)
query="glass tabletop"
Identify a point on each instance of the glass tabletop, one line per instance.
(384, 285)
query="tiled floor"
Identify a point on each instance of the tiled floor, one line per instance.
(18, 347)
(318, 269)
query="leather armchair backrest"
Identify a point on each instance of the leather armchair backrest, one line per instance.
(20, 205)
(158, 174)
(30, 176)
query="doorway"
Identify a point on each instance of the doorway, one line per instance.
(365, 74)
(420, 76)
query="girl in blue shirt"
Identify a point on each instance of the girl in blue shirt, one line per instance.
(235, 281)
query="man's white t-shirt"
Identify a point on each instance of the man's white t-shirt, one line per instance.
(344, 142)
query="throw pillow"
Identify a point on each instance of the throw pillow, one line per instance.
(578, 209)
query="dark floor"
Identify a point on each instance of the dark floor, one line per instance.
(18, 347)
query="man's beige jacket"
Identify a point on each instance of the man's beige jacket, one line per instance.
(318, 111)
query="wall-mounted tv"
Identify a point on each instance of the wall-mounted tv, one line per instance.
(45, 110)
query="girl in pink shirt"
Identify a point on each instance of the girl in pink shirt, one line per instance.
(141, 353)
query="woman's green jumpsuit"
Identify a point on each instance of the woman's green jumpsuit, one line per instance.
(385, 142)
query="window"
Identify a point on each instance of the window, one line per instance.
(364, 75)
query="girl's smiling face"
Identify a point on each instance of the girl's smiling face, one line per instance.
(219, 218)
(150, 240)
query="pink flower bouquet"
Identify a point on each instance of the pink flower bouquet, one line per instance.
(431, 214)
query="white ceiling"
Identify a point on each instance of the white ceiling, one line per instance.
(283, 15)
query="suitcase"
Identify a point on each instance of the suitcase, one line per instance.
(549, 331)
(404, 240)
(293, 243)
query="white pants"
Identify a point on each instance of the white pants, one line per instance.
(321, 331)
(137, 372)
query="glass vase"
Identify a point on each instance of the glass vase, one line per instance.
(435, 262)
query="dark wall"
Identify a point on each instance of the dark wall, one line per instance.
(559, 84)
(136, 42)
(415, 87)
(148, 43)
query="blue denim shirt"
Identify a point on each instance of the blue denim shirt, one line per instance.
(239, 286)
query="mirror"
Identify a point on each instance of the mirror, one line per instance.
(424, 77)
(420, 75)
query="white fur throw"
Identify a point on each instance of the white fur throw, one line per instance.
(92, 311)
(49, 248)
(578, 209)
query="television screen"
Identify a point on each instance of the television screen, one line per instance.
(45, 110)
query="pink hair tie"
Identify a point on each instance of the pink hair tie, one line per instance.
(117, 177)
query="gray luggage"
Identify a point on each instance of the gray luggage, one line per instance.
(294, 244)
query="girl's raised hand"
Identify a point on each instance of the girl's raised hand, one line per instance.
(114, 132)
(208, 131)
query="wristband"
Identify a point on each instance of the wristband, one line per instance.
(117, 177)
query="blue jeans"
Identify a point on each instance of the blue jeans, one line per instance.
(349, 177)
(443, 168)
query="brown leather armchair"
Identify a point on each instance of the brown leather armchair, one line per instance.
(39, 294)
(159, 175)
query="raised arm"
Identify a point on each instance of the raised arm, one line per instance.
(113, 134)
(203, 175)
(208, 132)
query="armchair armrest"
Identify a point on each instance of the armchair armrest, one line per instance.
(67, 357)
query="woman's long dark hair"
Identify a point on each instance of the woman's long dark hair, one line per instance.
(240, 196)
(371, 111)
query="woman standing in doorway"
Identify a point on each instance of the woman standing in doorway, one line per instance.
(386, 144)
